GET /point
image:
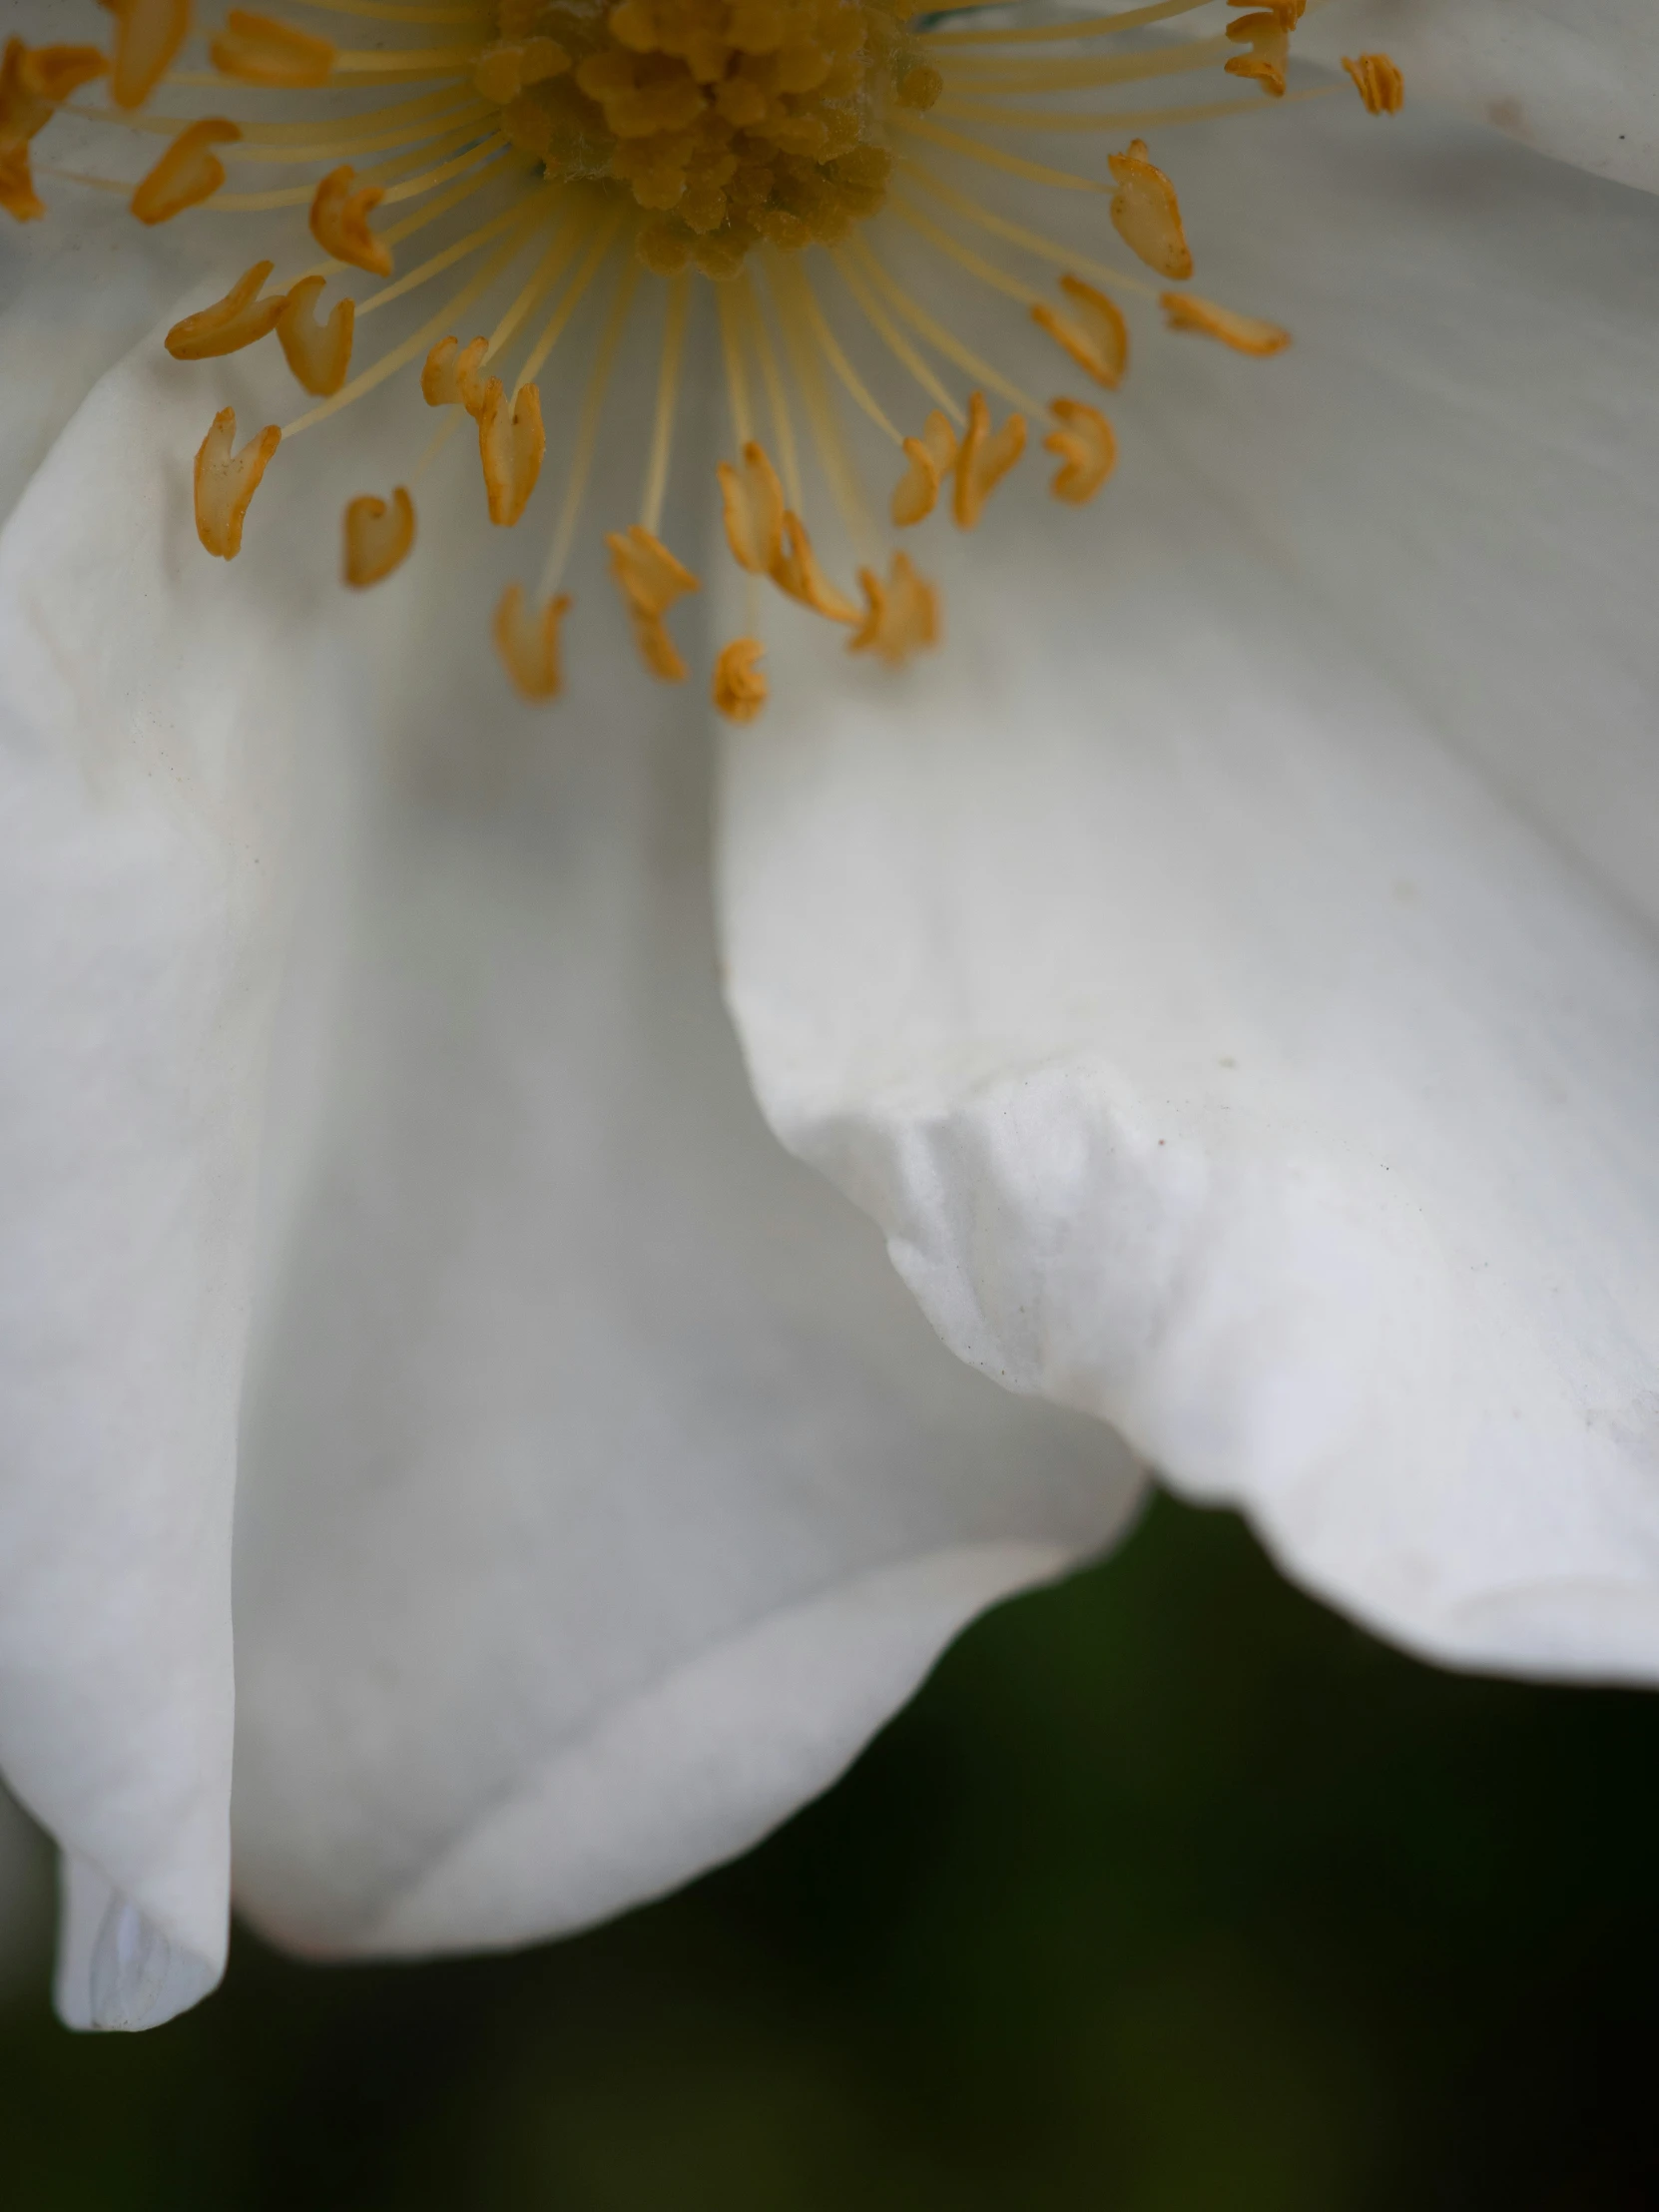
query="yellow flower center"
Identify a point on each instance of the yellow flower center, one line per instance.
(758, 152)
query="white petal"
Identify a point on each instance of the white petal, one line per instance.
(1172, 969)
(1578, 79)
(602, 1489)
(146, 715)
(79, 288)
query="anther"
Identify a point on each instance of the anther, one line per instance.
(798, 577)
(1085, 447)
(258, 50)
(147, 34)
(1378, 82)
(650, 580)
(1146, 213)
(319, 353)
(901, 615)
(187, 174)
(226, 480)
(339, 222)
(241, 318)
(740, 688)
(1095, 333)
(511, 443)
(34, 79)
(528, 642)
(450, 376)
(1266, 34)
(986, 459)
(753, 499)
(377, 537)
(1245, 333)
(931, 457)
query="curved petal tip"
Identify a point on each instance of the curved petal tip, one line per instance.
(116, 1967)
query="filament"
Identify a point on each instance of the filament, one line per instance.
(668, 391)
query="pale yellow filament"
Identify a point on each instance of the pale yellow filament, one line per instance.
(737, 375)
(1093, 26)
(668, 392)
(587, 434)
(942, 341)
(555, 325)
(778, 399)
(1061, 257)
(893, 337)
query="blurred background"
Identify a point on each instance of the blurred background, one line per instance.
(1171, 1892)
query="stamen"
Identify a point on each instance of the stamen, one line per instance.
(511, 447)
(319, 353)
(650, 580)
(778, 402)
(753, 503)
(513, 218)
(1146, 213)
(959, 142)
(17, 188)
(1078, 75)
(1015, 234)
(529, 643)
(1267, 36)
(258, 50)
(226, 480)
(339, 222)
(554, 328)
(1095, 335)
(798, 575)
(901, 615)
(984, 458)
(187, 174)
(241, 318)
(377, 537)
(1378, 82)
(147, 34)
(1085, 447)
(740, 688)
(932, 456)
(1245, 333)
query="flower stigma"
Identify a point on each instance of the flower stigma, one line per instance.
(517, 170)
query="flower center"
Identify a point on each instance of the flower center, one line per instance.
(557, 152)
(732, 123)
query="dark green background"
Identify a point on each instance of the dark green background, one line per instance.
(1172, 1892)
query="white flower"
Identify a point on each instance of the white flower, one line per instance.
(1226, 973)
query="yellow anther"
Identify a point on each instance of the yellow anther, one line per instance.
(1085, 447)
(1267, 36)
(511, 443)
(148, 33)
(1146, 213)
(1245, 333)
(187, 174)
(319, 353)
(931, 457)
(241, 318)
(258, 50)
(17, 188)
(1378, 82)
(502, 71)
(377, 537)
(226, 480)
(740, 688)
(1094, 334)
(33, 79)
(650, 580)
(986, 459)
(339, 222)
(450, 377)
(901, 615)
(753, 502)
(528, 642)
(799, 576)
